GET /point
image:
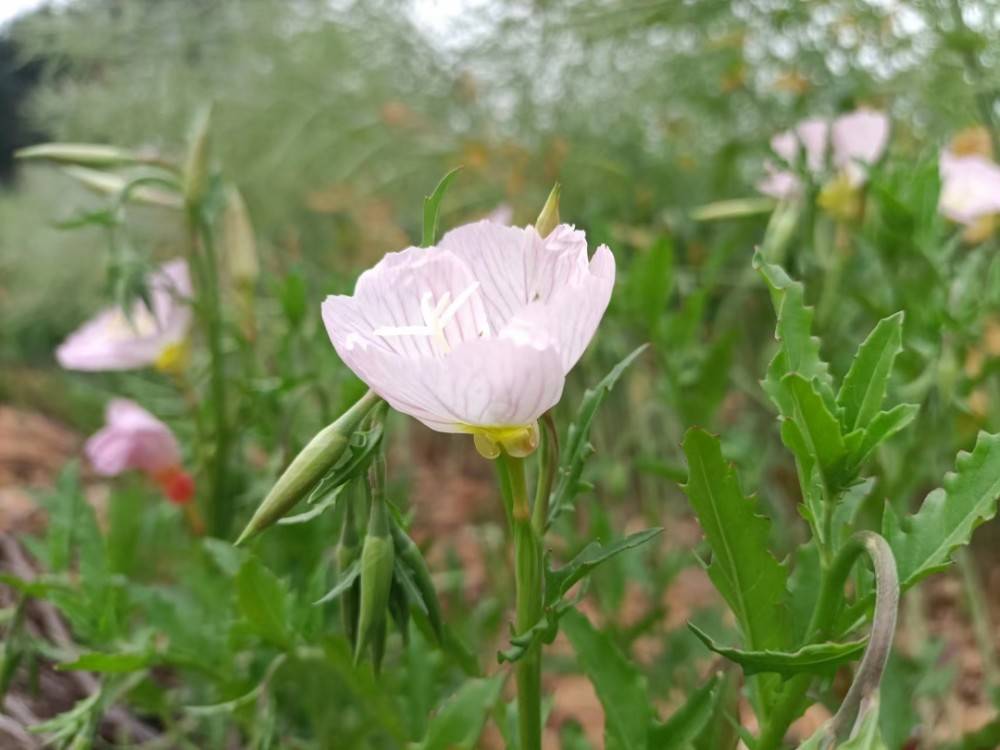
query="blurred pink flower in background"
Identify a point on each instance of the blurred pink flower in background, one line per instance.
(970, 188)
(854, 141)
(114, 341)
(134, 440)
(502, 214)
(476, 334)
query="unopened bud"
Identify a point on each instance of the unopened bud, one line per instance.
(196, 163)
(238, 241)
(107, 183)
(348, 551)
(83, 154)
(548, 219)
(308, 467)
(409, 554)
(377, 561)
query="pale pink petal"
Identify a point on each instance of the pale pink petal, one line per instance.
(572, 311)
(502, 214)
(395, 294)
(488, 383)
(814, 135)
(970, 188)
(114, 341)
(132, 439)
(780, 183)
(859, 140)
(786, 145)
(505, 260)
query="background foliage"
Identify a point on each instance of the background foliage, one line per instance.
(334, 119)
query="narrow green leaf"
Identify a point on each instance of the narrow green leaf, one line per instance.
(263, 601)
(96, 661)
(559, 581)
(816, 658)
(619, 685)
(432, 207)
(923, 542)
(799, 350)
(576, 448)
(743, 569)
(818, 428)
(863, 390)
(883, 426)
(460, 721)
(687, 722)
(347, 578)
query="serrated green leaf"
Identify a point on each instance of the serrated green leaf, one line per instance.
(923, 542)
(576, 447)
(620, 687)
(800, 350)
(459, 722)
(263, 601)
(686, 723)
(883, 426)
(744, 571)
(863, 389)
(96, 661)
(559, 581)
(815, 658)
(432, 207)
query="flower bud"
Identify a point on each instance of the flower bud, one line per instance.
(308, 467)
(107, 183)
(399, 608)
(548, 219)
(240, 247)
(377, 561)
(409, 554)
(348, 550)
(196, 163)
(83, 154)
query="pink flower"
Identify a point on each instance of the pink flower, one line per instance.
(970, 188)
(134, 440)
(478, 333)
(854, 141)
(113, 341)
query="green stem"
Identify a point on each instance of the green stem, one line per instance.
(203, 251)
(792, 698)
(528, 585)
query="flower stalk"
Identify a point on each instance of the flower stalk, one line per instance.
(529, 593)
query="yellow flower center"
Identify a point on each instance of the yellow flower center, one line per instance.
(173, 358)
(517, 440)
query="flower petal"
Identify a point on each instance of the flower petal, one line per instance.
(390, 299)
(132, 438)
(571, 313)
(110, 342)
(859, 139)
(487, 382)
(970, 188)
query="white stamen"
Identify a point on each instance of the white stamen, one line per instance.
(436, 318)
